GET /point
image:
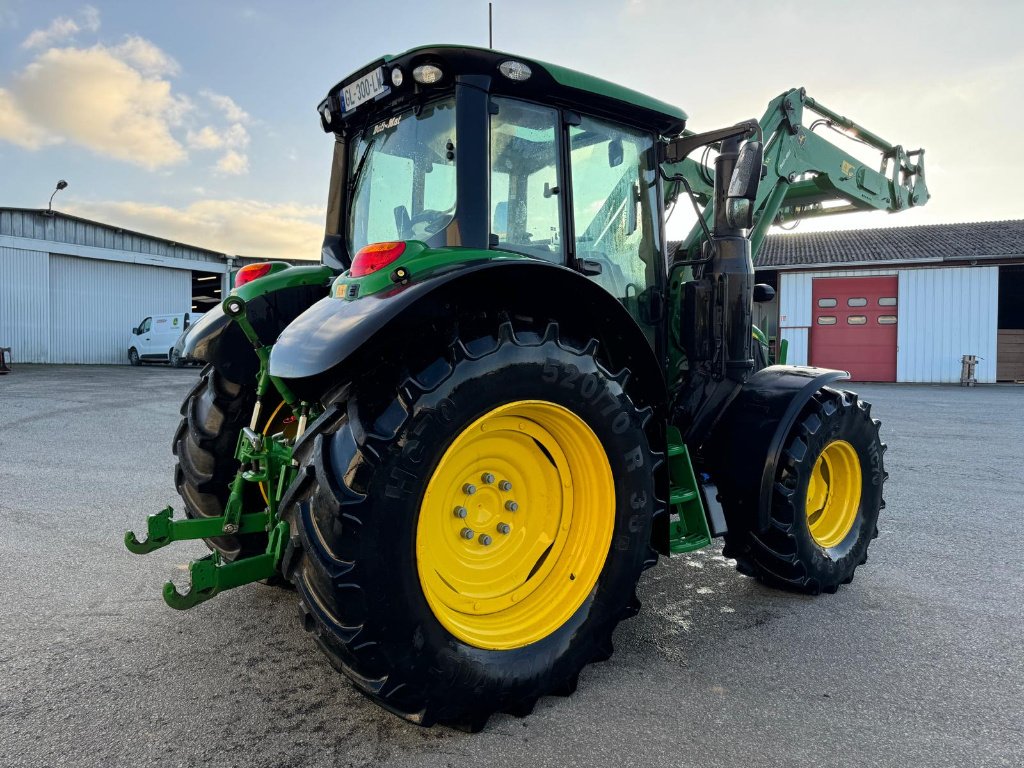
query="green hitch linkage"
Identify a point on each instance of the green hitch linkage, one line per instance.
(210, 576)
(163, 530)
(262, 460)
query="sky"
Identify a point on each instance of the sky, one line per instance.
(196, 121)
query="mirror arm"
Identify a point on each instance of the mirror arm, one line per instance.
(678, 148)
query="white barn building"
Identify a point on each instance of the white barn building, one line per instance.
(902, 304)
(72, 289)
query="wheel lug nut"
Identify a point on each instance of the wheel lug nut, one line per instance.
(511, 506)
(485, 539)
(461, 512)
(504, 528)
(467, 533)
(469, 489)
(487, 478)
(505, 485)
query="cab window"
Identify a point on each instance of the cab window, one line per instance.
(615, 206)
(145, 325)
(402, 177)
(525, 200)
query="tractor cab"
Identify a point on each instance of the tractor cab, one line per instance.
(472, 148)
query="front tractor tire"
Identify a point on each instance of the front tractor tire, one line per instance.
(467, 543)
(825, 502)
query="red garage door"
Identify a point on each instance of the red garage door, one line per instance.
(854, 326)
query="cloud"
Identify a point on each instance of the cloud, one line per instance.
(233, 139)
(145, 57)
(237, 226)
(96, 98)
(227, 105)
(209, 137)
(17, 128)
(118, 101)
(233, 163)
(63, 28)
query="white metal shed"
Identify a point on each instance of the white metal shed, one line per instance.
(960, 291)
(72, 289)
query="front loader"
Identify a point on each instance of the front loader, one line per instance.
(500, 397)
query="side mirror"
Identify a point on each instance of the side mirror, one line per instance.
(615, 153)
(135, 330)
(763, 292)
(746, 176)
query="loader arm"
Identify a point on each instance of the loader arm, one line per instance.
(807, 175)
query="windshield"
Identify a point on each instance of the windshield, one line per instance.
(402, 177)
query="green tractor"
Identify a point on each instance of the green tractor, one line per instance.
(502, 396)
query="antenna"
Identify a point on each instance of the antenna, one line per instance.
(490, 26)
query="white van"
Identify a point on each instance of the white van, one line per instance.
(153, 339)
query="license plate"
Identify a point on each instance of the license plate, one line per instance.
(367, 87)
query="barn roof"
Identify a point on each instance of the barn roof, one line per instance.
(981, 240)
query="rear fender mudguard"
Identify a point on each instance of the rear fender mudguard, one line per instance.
(272, 302)
(334, 330)
(744, 449)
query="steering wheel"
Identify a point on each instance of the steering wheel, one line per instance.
(424, 224)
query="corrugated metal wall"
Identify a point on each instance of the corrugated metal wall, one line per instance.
(943, 313)
(24, 304)
(95, 304)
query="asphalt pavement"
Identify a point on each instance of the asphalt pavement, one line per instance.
(918, 662)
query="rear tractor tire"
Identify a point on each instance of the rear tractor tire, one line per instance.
(825, 502)
(466, 542)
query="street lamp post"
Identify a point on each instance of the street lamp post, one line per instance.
(60, 185)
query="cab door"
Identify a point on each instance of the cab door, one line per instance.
(616, 215)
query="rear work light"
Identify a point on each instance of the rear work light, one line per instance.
(250, 272)
(375, 256)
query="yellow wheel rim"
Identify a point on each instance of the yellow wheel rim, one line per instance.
(515, 525)
(833, 494)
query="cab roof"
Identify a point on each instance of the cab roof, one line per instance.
(549, 83)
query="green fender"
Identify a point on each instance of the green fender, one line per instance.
(271, 303)
(311, 350)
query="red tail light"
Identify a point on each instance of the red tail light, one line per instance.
(375, 256)
(250, 272)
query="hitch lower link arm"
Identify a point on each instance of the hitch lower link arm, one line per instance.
(210, 575)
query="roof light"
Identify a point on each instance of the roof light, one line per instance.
(427, 74)
(374, 257)
(515, 70)
(250, 272)
(397, 77)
